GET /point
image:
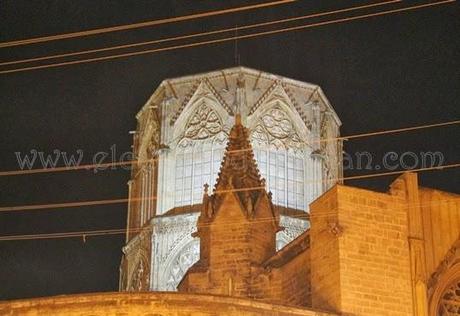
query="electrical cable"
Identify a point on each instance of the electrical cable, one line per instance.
(201, 34)
(103, 232)
(221, 40)
(125, 200)
(139, 25)
(139, 162)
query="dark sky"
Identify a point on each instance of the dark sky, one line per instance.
(379, 73)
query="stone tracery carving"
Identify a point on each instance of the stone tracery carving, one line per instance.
(172, 238)
(149, 136)
(204, 123)
(181, 263)
(328, 152)
(451, 259)
(449, 304)
(274, 127)
(180, 231)
(444, 285)
(293, 228)
(201, 89)
(264, 96)
(135, 265)
(177, 251)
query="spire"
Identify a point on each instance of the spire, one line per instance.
(240, 95)
(239, 169)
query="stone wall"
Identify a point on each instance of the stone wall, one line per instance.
(360, 253)
(147, 304)
(285, 278)
(441, 224)
(230, 246)
(324, 253)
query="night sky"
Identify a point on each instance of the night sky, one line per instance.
(379, 73)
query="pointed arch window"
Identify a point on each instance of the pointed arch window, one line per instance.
(449, 303)
(181, 263)
(280, 157)
(198, 155)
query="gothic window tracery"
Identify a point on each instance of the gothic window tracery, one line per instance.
(293, 227)
(203, 124)
(280, 157)
(181, 263)
(449, 303)
(198, 155)
(275, 127)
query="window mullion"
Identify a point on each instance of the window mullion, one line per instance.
(286, 197)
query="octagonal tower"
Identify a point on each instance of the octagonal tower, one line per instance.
(180, 139)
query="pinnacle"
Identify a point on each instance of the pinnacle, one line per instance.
(239, 168)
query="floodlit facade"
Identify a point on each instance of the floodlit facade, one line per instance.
(243, 250)
(181, 136)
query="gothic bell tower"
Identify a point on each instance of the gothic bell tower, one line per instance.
(237, 225)
(179, 143)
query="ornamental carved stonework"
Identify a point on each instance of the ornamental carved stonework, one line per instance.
(204, 123)
(275, 126)
(148, 136)
(154, 141)
(200, 90)
(449, 304)
(328, 151)
(140, 277)
(174, 248)
(181, 263)
(178, 229)
(292, 228)
(136, 267)
(444, 285)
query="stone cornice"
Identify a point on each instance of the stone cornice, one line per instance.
(135, 303)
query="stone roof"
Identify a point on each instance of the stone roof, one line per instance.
(260, 83)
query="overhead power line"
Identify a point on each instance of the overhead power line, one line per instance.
(395, 131)
(221, 40)
(140, 25)
(228, 225)
(201, 34)
(125, 200)
(73, 168)
(133, 162)
(66, 235)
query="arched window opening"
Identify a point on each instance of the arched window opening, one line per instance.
(197, 163)
(449, 303)
(198, 155)
(281, 158)
(181, 263)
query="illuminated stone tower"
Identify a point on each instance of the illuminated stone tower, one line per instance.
(180, 139)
